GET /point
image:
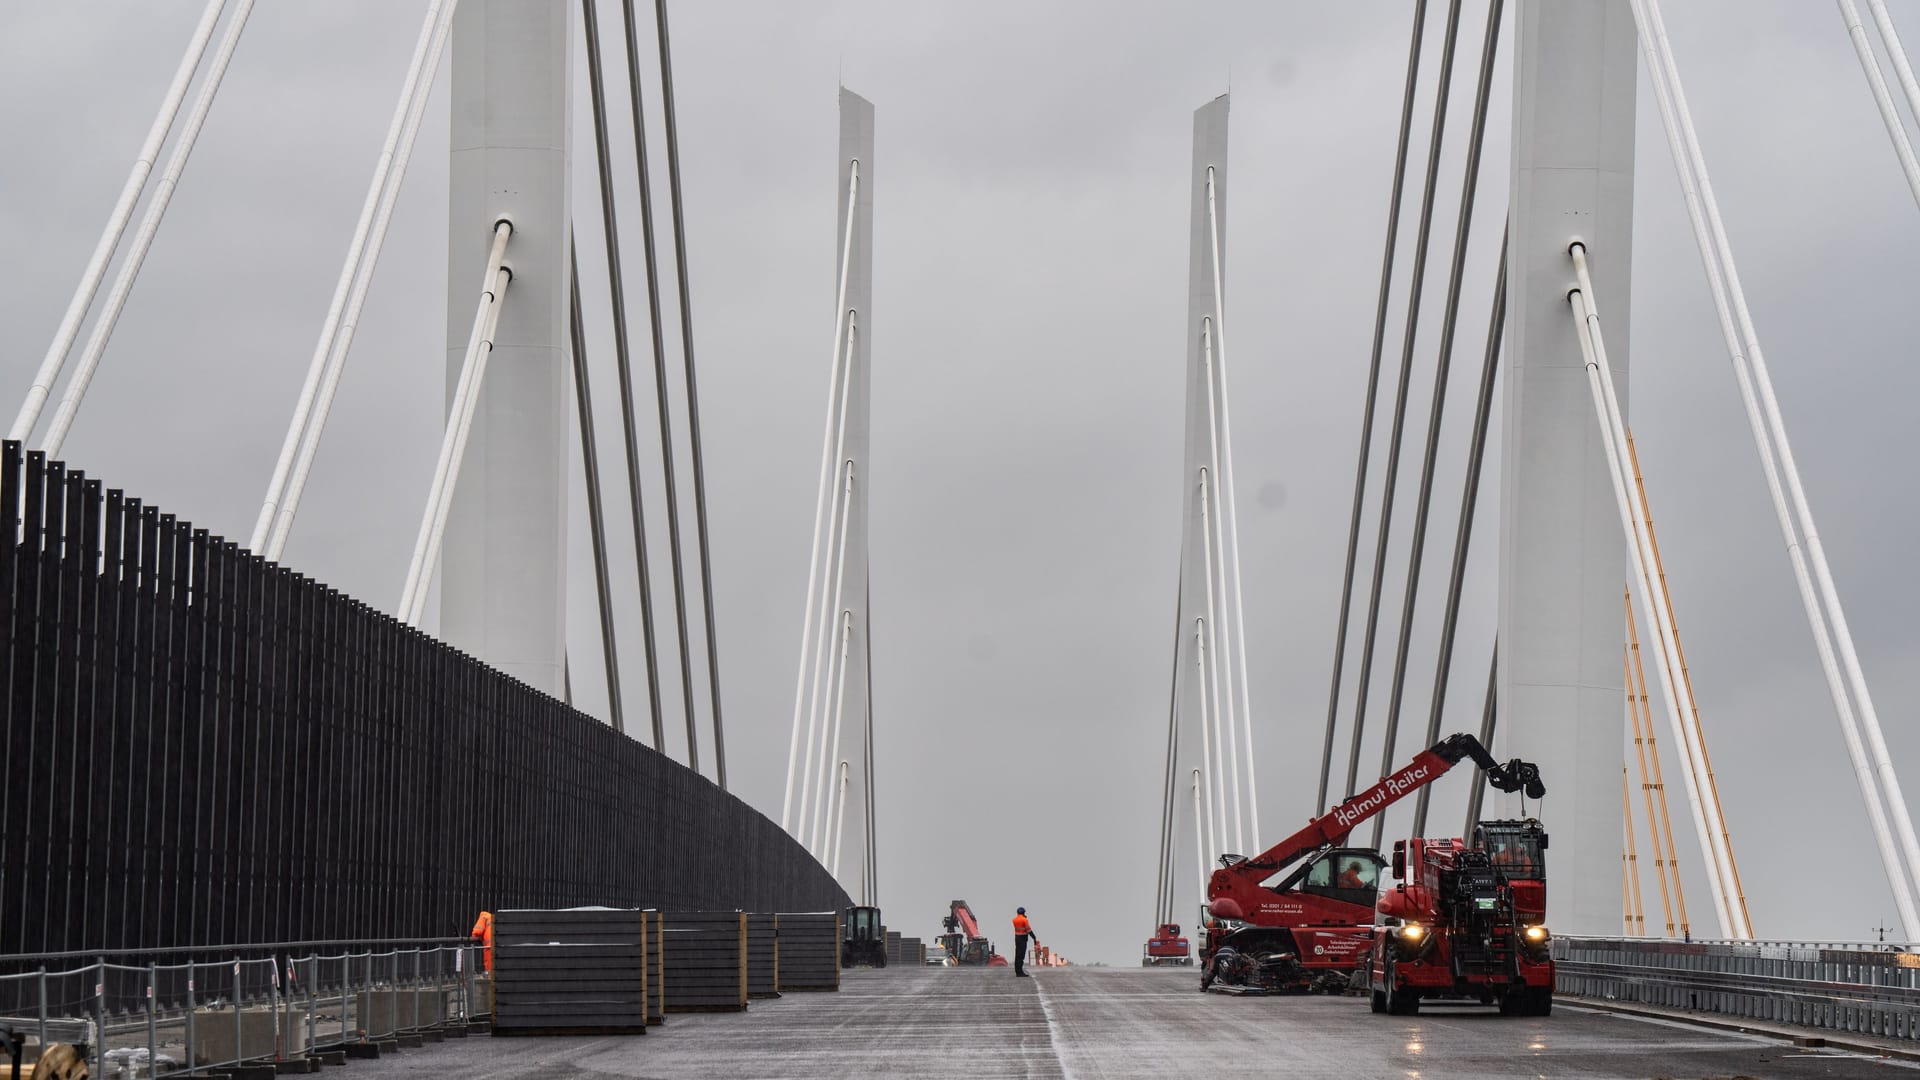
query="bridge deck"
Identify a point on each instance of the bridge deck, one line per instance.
(1085, 1023)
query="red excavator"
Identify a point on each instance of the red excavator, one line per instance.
(965, 944)
(1311, 930)
(1468, 922)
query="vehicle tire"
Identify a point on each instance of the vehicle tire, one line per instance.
(880, 961)
(1540, 1000)
(1379, 1001)
(1399, 1002)
(1146, 963)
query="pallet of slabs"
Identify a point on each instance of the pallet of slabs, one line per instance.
(656, 969)
(705, 957)
(580, 971)
(810, 950)
(893, 946)
(912, 951)
(763, 956)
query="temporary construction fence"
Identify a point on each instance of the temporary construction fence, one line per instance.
(1865, 988)
(144, 1014)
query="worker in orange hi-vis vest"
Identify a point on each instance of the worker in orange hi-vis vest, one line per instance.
(1022, 932)
(483, 931)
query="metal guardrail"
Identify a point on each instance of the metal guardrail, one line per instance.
(1864, 988)
(143, 1014)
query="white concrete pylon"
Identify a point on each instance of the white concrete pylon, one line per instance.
(1559, 687)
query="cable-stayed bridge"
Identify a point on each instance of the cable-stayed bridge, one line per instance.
(154, 639)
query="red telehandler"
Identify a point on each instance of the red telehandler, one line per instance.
(1467, 922)
(1312, 929)
(965, 943)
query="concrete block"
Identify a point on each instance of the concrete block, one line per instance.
(214, 1036)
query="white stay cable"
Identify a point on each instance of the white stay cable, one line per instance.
(1206, 742)
(444, 504)
(1223, 705)
(842, 358)
(839, 824)
(1882, 99)
(1666, 634)
(1232, 519)
(143, 237)
(816, 733)
(1199, 836)
(1222, 763)
(83, 294)
(1630, 525)
(830, 746)
(363, 253)
(1898, 53)
(463, 391)
(1730, 302)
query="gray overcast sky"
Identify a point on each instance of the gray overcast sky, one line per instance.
(1030, 274)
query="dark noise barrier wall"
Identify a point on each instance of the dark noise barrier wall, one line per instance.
(203, 748)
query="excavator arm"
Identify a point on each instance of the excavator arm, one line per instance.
(1331, 828)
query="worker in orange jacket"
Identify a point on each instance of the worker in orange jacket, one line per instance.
(483, 931)
(1022, 930)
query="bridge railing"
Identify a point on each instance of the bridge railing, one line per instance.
(1868, 988)
(146, 1012)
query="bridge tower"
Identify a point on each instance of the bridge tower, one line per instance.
(1562, 557)
(503, 581)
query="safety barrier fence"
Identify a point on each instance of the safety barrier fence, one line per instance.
(1864, 988)
(147, 1013)
(203, 746)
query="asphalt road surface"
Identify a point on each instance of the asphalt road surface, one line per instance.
(1087, 1023)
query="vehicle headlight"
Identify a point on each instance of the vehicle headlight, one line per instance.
(1537, 934)
(1412, 932)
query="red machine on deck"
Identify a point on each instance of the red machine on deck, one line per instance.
(1167, 946)
(1468, 922)
(964, 941)
(1313, 929)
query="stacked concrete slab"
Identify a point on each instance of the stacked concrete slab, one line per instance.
(810, 950)
(893, 946)
(913, 951)
(763, 956)
(705, 958)
(656, 968)
(577, 971)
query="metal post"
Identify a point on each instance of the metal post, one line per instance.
(99, 1015)
(193, 969)
(43, 1005)
(313, 987)
(153, 1023)
(239, 1053)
